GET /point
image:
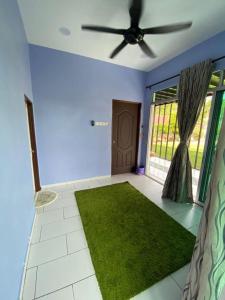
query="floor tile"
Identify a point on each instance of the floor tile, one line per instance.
(67, 195)
(60, 227)
(46, 251)
(103, 182)
(115, 180)
(87, 289)
(188, 219)
(59, 203)
(174, 208)
(63, 272)
(82, 185)
(150, 189)
(49, 216)
(71, 211)
(57, 188)
(165, 289)
(94, 184)
(63, 294)
(180, 276)
(76, 241)
(29, 286)
(194, 229)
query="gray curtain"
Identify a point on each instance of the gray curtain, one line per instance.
(194, 82)
(206, 278)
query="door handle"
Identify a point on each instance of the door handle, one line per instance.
(114, 142)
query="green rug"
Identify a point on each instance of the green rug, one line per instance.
(133, 243)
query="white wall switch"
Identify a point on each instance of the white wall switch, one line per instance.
(98, 123)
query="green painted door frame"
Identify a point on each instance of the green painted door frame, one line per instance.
(216, 122)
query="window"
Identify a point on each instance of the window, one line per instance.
(215, 80)
(165, 96)
(164, 133)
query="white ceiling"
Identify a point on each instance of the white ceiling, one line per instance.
(44, 18)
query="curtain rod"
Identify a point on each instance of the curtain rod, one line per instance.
(161, 81)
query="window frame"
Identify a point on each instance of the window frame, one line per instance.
(221, 86)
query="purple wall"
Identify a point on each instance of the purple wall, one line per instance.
(211, 48)
(69, 91)
(17, 195)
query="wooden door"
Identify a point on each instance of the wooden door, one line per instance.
(30, 115)
(125, 136)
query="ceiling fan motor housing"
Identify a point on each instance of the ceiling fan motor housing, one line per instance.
(133, 35)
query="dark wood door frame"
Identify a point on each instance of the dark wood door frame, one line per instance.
(139, 105)
(33, 145)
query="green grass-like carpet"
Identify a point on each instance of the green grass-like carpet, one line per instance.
(133, 243)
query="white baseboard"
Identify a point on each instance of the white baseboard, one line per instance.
(74, 181)
(26, 260)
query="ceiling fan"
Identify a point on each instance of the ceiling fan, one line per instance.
(134, 34)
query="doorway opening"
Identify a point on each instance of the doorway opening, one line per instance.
(33, 145)
(125, 136)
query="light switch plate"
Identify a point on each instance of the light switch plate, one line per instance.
(98, 123)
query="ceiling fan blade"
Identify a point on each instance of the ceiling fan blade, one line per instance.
(118, 49)
(135, 11)
(103, 29)
(146, 49)
(167, 28)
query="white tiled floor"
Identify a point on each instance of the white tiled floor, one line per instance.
(59, 264)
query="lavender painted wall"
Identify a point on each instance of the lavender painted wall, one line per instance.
(17, 209)
(211, 48)
(69, 91)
